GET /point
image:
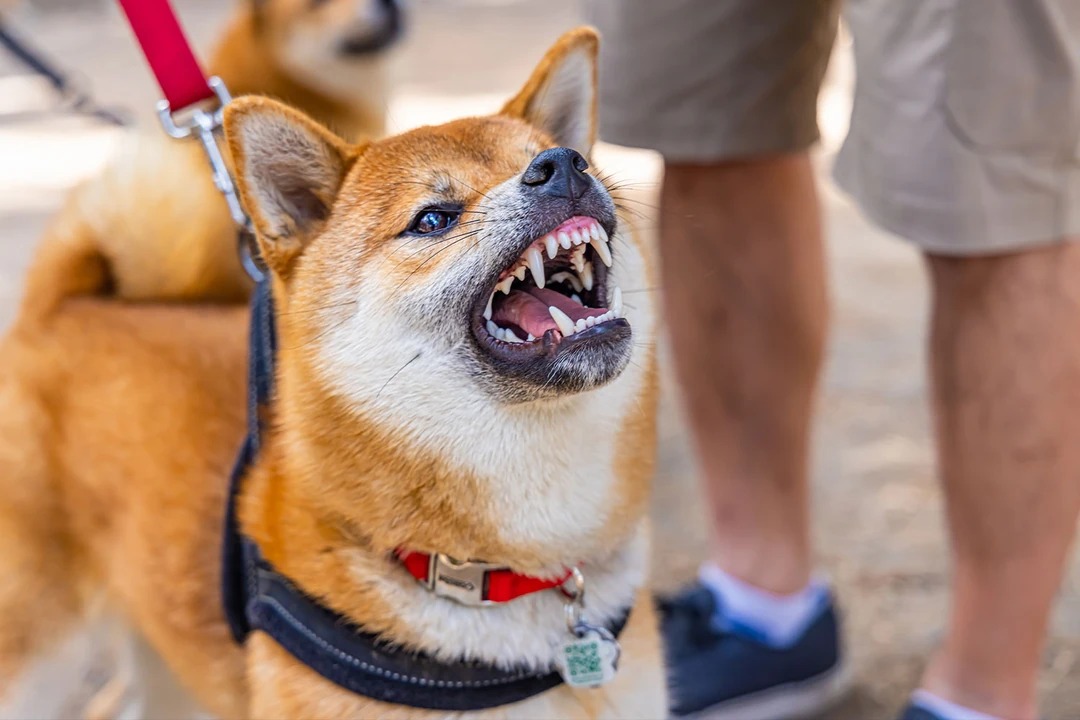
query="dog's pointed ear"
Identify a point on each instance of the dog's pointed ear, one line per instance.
(560, 97)
(289, 170)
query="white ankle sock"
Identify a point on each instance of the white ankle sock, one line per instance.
(945, 709)
(776, 620)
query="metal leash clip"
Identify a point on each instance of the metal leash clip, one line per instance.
(204, 123)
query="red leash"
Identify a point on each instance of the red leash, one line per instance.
(167, 51)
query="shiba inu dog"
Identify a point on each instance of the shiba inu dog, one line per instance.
(458, 374)
(153, 220)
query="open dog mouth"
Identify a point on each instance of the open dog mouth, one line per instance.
(556, 292)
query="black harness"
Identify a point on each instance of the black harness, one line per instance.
(257, 597)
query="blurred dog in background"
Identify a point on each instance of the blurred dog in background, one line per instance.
(144, 228)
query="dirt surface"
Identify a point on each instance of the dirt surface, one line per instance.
(878, 513)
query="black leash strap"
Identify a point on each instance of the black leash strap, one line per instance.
(36, 60)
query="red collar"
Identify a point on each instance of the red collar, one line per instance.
(473, 583)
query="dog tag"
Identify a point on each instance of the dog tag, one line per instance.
(589, 658)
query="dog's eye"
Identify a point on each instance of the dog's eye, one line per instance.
(432, 221)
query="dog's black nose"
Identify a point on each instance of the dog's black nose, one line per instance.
(559, 172)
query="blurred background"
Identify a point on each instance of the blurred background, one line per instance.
(879, 525)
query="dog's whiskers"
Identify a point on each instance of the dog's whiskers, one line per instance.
(317, 309)
(398, 372)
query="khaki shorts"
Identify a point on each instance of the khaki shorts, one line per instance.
(965, 133)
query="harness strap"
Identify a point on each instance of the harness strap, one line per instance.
(363, 663)
(168, 52)
(262, 344)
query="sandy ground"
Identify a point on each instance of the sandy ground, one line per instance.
(879, 527)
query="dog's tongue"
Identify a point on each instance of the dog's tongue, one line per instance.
(528, 310)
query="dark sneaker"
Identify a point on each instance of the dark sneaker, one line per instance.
(913, 712)
(719, 670)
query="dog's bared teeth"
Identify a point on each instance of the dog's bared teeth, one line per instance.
(575, 237)
(493, 329)
(577, 298)
(591, 321)
(519, 272)
(600, 246)
(536, 265)
(504, 285)
(587, 276)
(616, 301)
(530, 338)
(581, 325)
(568, 278)
(602, 233)
(510, 336)
(552, 246)
(594, 232)
(566, 325)
(487, 310)
(564, 240)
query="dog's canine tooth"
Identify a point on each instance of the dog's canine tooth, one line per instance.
(566, 325)
(504, 286)
(536, 265)
(576, 238)
(601, 248)
(552, 245)
(616, 301)
(487, 310)
(510, 336)
(587, 276)
(564, 240)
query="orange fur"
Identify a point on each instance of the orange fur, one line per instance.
(124, 419)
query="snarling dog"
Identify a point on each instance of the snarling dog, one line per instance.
(461, 395)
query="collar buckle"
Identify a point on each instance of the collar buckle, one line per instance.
(464, 581)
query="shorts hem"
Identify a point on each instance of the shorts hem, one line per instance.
(929, 229)
(702, 144)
